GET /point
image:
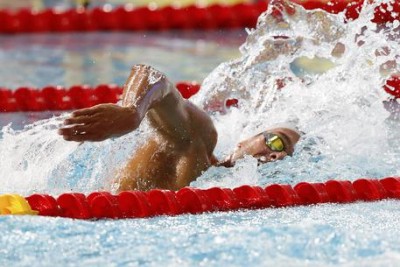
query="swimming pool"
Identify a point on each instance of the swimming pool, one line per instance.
(360, 234)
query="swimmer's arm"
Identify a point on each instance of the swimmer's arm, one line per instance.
(167, 111)
(146, 91)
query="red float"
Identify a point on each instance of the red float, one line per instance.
(3, 21)
(178, 18)
(82, 96)
(65, 21)
(106, 19)
(312, 193)
(221, 199)
(29, 99)
(12, 24)
(246, 14)
(156, 20)
(134, 20)
(7, 101)
(224, 16)
(369, 189)
(232, 102)
(55, 98)
(252, 197)
(201, 18)
(392, 86)
(392, 186)
(107, 93)
(43, 21)
(187, 89)
(104, 205)
(163, 202)
(282, 195)
(46, 205)
(341, 191)
(134, 204)
(74, 205)
(193, 200)
(85, 21)
(387, 13)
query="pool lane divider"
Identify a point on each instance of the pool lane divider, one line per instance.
(75, 97)
(58, 98)
(156, 202)
(126, 18)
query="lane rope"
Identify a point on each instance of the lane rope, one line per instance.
(188, 200)
(126, 18)
(58, 98)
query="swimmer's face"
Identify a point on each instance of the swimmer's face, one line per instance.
(257, 147)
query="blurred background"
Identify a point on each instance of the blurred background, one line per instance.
(64, 4)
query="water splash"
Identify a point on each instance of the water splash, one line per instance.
(332, 72)
(37, 160)
(28, 156)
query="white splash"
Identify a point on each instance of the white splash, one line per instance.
(37, 160)
(333, 74)
(29, 156)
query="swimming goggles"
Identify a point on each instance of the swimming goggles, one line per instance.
(274, 142)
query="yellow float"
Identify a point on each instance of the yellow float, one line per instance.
(12, 204)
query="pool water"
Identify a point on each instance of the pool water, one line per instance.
(94, 58)
(361, 234)
(34, 159)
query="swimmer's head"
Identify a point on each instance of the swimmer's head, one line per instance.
(271, 145)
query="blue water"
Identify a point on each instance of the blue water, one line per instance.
(360, 234)
(93, 58)
(328, 235)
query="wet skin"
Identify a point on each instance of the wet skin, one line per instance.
(184, 140)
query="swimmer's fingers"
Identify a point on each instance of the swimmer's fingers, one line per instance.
(75, 130)
(79, 120)
(87, 111)
(100, 122)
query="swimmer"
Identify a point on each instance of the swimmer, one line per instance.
(185, 138)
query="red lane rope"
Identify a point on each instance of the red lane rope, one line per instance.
(139, 204)
(125, 18)
(83, 96)
(193, 17)
(352, 8)
(75, 97)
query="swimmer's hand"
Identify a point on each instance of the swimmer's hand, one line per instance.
(99, 123)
